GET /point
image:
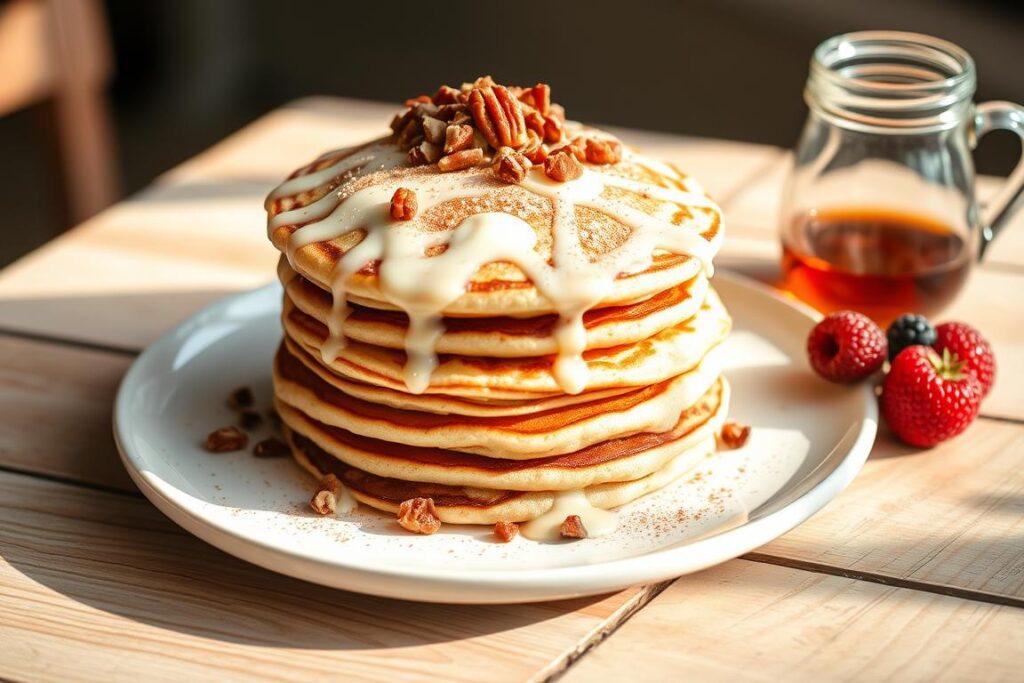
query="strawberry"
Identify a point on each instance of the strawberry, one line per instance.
(966, 343)
(846, 347)
(929, 398)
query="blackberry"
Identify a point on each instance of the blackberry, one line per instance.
(909, 329)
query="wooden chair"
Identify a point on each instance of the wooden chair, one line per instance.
(59, 51)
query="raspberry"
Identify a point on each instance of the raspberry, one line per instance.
(927, 398)
(966, 344)
(846, 347)
(908, 330)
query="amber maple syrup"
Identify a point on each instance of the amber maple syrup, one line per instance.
(878, 262)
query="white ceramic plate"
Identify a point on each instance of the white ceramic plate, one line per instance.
(809, 440)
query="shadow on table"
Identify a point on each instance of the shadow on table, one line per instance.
(117, 554)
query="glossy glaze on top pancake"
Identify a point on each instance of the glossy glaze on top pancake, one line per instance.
(499, 288)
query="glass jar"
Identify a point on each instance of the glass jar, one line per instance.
(879, 213)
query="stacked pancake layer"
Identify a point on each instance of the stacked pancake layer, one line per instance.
(510, 347)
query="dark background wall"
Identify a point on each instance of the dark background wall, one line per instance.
(191, 71)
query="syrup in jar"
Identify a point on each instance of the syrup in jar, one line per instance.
(881, 263)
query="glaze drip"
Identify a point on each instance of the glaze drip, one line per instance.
(423, 285)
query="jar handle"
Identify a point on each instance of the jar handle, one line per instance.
(990, 116)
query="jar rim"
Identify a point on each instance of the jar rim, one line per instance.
(891, 80)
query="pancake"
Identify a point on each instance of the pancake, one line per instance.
(467, 505)
(653, 408)
(620, 459)
(316, 193)
(441, 403)
(671, 352)
(506, 336)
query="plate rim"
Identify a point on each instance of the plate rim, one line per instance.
(487, 586)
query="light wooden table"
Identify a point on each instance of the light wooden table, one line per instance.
(916, 572)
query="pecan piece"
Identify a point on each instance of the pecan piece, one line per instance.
(446, 95)
(447, 112)
(538, 155)
(325, 498)
(512, 166)
(416, 156)
(422, 99)
(240, 398)
(552, 129)
(542, 98)
(478, 110)
(461, 160)
(271, 448)
(226, 439)
(603, 151)
(573, 527)
(419, 516)
(506, 531)
(498, 116)
(424, 153)
(513, 114)
(457, 137)
(575, 147)
(734, 435)
(434, 130)
(403, 204)
(250, 420)
(410, 131)
(535, 123)
(562, 166)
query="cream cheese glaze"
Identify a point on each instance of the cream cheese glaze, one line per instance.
(423, 285)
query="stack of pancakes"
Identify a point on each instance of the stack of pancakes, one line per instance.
(489, 424)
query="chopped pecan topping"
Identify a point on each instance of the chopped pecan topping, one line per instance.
(575, 147)
(535, 123)
(572, 527)
(603, 151)
(511, 166)
(226, 439)
(734, 435)
(424, 153)
(434, 130)
(403, 204)
(457, 137)
(250, 420)
(240, 398)
(446, 95)
(552, 130)
(506, 531)
(461, 160)
(419, 516)
(562, 166)
(447, 112)
(498, 116)
(459, 128)
(325, 498)
(417, 157)
(422, 99)
(542, 98)
(271, 448)
(411, 134)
